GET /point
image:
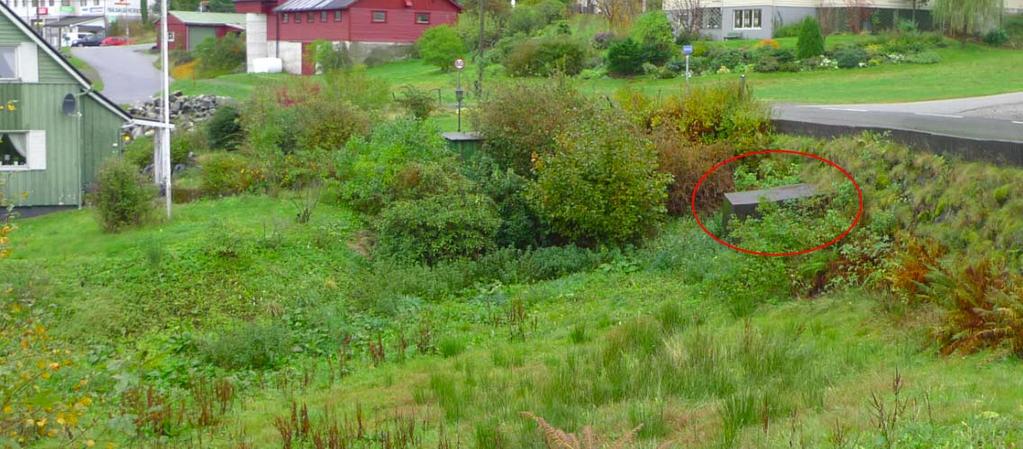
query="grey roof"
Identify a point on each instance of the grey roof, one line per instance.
(74, 20)
(313, 5)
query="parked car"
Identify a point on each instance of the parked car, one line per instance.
(114, 41)
(91, 40)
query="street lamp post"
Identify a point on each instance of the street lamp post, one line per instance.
(165, 131)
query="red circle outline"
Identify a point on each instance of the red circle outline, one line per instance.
(856, 221)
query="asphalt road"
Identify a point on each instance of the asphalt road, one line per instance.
(996, 117)
(128, 73)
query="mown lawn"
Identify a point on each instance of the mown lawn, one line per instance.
(964, 71)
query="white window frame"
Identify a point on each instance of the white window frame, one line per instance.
(747, 19)
(170, 36)
(17, 62)
(35, 159)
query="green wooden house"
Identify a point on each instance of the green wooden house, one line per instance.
(54, 129)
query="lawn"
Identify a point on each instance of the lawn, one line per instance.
(964, 71)
(86, 69)
(632, 343)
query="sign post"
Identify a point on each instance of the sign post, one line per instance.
(459, 93)
(688, 50)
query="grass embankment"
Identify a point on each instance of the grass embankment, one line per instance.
(647, 337)
(964, 71)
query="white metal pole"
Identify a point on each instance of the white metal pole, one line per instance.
(165, 106)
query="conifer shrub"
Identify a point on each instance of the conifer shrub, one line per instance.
(811, 41)
(601, 186)
(655, 36)
(123, 197)
(224, 130)
(625, 57)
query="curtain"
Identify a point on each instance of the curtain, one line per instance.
(8, 62)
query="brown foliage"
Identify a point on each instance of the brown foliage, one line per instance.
(686, 162)
(585, 439)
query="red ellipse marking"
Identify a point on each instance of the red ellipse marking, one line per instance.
(856, 221)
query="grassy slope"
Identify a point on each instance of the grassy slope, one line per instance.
(963, 72)
(843, 347)
(86, 69)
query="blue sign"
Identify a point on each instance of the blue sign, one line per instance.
(687, 49)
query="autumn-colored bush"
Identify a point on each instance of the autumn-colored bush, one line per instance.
(686, 161)
(722, 111)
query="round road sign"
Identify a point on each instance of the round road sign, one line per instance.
(459, 64)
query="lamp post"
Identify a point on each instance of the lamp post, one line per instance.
(459, 92)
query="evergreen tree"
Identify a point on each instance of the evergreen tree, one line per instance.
(811, 41)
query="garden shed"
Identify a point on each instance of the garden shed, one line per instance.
(187, 29)
(54, 129)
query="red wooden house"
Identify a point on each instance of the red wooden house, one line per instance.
(367, 28)
(186, 29)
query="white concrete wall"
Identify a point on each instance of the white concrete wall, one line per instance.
(290, 54)
(255, 38)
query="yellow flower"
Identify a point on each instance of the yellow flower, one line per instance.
(8, 409)
(89, 443)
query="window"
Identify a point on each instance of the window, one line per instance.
(51, 2)
(170, 36)
(95, 2)
(379, 16)
(298, 17)
(747, 19)
(284, 18)
(337, 15)
(8, 63)
(712, 19)
(83, 3)
(22, 150)
(422, 18)
(13, 149)
(311, 16)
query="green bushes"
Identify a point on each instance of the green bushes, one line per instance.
(440, 46)
(601, 186)
(225, 174)
(653, 32)
(123, 197)
(545, 57)
(438, 227)
(625, 57)
(327, 57)
(811, 41)
(419, 103)
(224, 130)
(850, 57)
(520, 121)
(220, 56)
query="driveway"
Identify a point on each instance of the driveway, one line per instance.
(995, 117)
(128, 73)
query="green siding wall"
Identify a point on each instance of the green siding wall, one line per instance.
(101, 137)
(75, 145)
(59, 184)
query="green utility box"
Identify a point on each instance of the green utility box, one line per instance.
(465, 144)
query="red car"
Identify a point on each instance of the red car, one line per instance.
(113, 41)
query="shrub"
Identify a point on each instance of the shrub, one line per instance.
(985, 303)
(417, 102)
(601, 186)
(123, 197)
(520, 121)
(220, 56)
(369, 166)
(525, 19)
(438, 227)
(686, 162)
(811, 41)
(520, 227)
(545, 57)
(767, 64)
(654, 34)
(224, 129)
(906, 26)
(251, 345)
(716, 112)
(996, 37)
(603, 40)
(624, 58)
(850, 57)
(440, 46)
(327, 57)
(225, 174)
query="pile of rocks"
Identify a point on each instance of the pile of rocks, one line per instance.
(186, 112)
